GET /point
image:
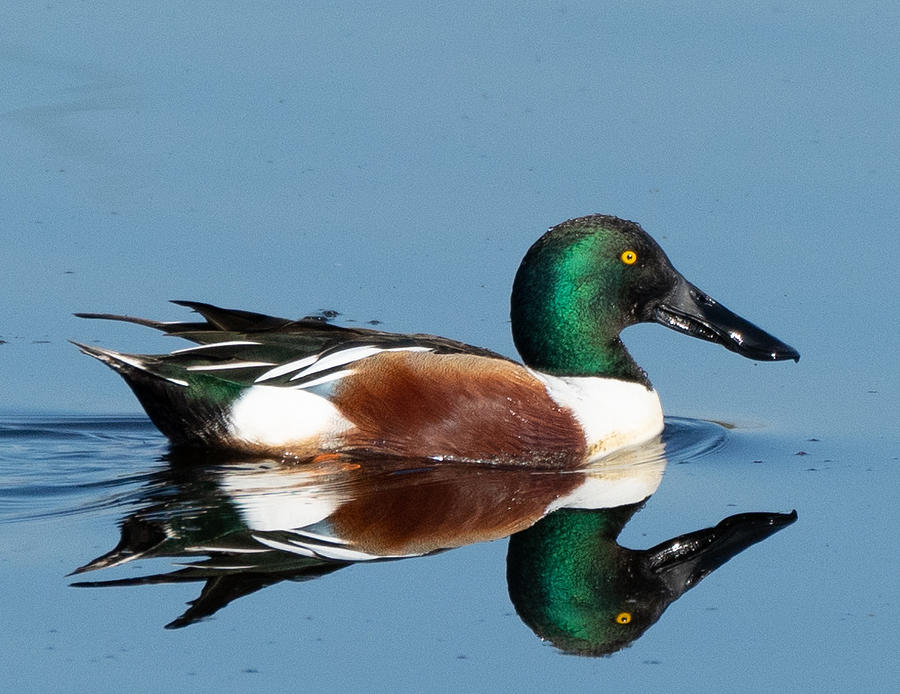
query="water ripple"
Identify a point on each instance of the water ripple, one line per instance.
(68, 465)
(690, 439)
(64, 465)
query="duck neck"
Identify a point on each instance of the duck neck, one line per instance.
(570, 552)
(570, 354)
(573, 537)
(561, 325)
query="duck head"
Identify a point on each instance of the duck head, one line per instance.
(587, 279)
(576, 587)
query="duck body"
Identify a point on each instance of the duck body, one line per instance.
(273, 386)
(307, 387)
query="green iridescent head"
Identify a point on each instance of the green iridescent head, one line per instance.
(587, 279)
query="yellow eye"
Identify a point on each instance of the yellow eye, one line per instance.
(623, 617)
(629, 257)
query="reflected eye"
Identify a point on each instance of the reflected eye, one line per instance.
(623, 617)
(629, 257)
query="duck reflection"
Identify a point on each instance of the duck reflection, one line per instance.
(251, 524)
(575, 586)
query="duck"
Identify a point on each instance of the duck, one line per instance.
(264, 385)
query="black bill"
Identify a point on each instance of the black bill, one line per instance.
(684, 560)
(691, 311)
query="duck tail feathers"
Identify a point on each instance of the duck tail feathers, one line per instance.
(123, 363)
(164, 326)
(170, 401)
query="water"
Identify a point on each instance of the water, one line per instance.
(51, 470)
(447, 620)
(395, 163)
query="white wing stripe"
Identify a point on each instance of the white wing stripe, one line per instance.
(287, 368)
(327, 378)
(212, 549)
(318, 362)
(232, 343)
(311, 550)
(284, 547)
(319, 537)
(226, 367)
(137, 363)
(345, 356)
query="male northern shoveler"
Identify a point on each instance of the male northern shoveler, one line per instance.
(273, 386)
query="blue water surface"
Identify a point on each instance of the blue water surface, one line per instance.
(394, 162)
(445, 621)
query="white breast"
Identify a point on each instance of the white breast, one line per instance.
(614, 414)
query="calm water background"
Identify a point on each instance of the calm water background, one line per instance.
(395, 163)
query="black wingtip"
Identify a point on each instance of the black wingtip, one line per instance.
(91, 351)
(122, 318)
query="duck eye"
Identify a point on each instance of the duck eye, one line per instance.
(629, 257)
(623, 617)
